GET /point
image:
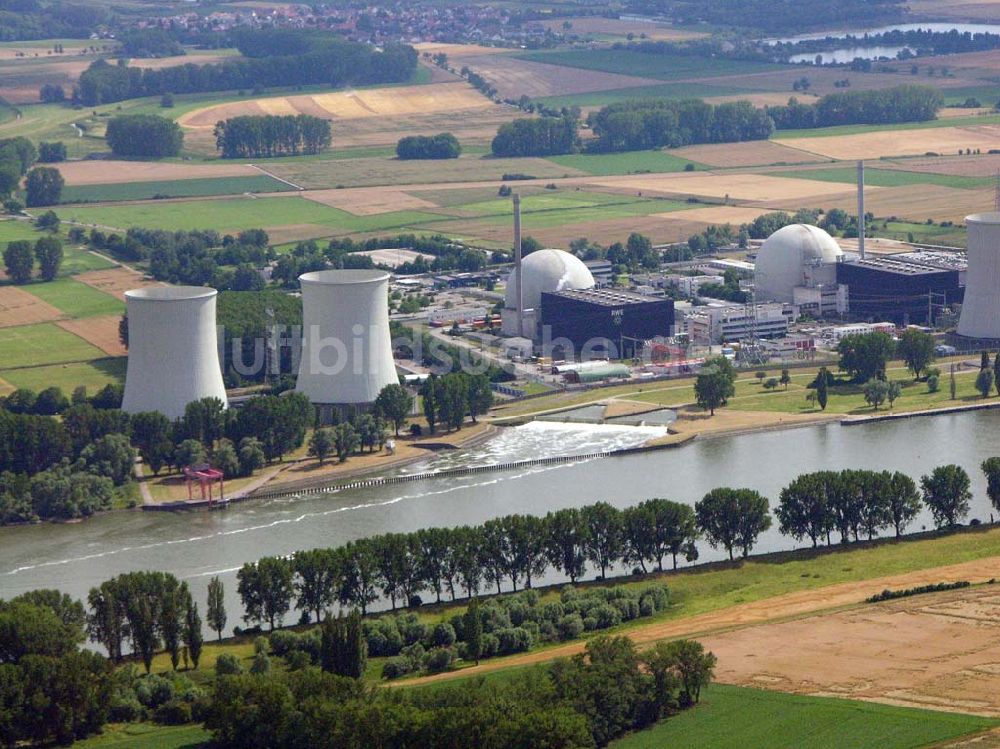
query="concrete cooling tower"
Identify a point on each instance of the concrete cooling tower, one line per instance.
(346, 347)
(173, 355)
(981, 308)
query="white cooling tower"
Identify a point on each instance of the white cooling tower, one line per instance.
(346, 347)
(981, 308)
(173, 355)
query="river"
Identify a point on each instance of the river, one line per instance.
(197, 545)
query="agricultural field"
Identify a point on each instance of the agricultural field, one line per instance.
(660, 67)
(892, 177)
(633, 162)
(181, 188)
(618, 29)
(898, 141)
(731, 717)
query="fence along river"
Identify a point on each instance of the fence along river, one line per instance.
(198, 545)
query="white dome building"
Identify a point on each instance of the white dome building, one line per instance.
(544, 271)
(798, 256)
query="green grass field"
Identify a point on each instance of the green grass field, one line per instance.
(45, 343)
(735, 718)
(951, 236)
(78, 260)
(633, 162)
(662, 67)
(656, 91)
(93, 375)
(181, 188)
(891, 177)
(76, 299)
(12, 230)
(147, 736)
(235, 214)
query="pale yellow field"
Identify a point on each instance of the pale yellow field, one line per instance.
(619, 27)
(459, 50)
(347, 105)
(749, 153)
(723, 214)
(368, 201)
(99, 172)
(940, 140)
(747, 187)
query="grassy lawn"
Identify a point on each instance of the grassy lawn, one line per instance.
(181, 188)
(147, 736)
(891, 177)
(604, 212)
(656, 91)
(736, 717)
(931, 234)
(93, 375)
(76, 299)
(46, 343)
(662, 67)
(79, 260)
(634, 162)
(12, 230)
(970, 121)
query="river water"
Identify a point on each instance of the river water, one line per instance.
(197, 545)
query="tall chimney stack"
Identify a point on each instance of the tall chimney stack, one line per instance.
(517, 265)
(861, 208)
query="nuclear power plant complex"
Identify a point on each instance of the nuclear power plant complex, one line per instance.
(173, 354)
(981, 309)
(346, 347)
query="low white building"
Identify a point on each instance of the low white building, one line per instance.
(825, 299)
(727, 323)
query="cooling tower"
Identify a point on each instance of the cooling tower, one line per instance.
(346, 348)
(981, 308)
(173, 356)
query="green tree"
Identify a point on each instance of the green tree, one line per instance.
(144, 135)
(318, 579)
(429, 394)
(346, 440)
(43, 186)
(189, 453)
(566, 547)
(19, 261)
(343, 649)
(193, 639)
(604, 535)
(715, 384)
(395, 403)
(786, 378)
(864, 356)
(876, 391)
(266, 590)
(480, 395)
(733, 518)
(916, 348)
(151, 435)
(48, 221)
(694, 667)
(472, 630)
(952, 384)
(893, 392)
(947, 494)
(215, 610)
(822, 385)
(991, 469)
(321, 444)
(803, 509)
(984, 382)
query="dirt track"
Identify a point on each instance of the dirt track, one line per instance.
(771, 610)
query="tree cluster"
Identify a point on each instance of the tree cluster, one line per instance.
(440, 146)
(652, 123)
(20, 256)
(907, 103)
(864, 356)
(539, 136)
(267, 136)
(16, 157)
(448, 399)
(579, 703)
(335, 62)
(149, 42)
(30, 19)
(144, 135)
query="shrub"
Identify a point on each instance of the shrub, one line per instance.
(125, 710)
(395, 667)
(173, 713)
(551, 612)
(228, 664)
(491, 645)
(153, 690)
(443, 635)
(261, 664)
(513, 640)
(411, 628)
(297, 660)
(260, 645)
(439, 659)
(606, 616)
(283, 642)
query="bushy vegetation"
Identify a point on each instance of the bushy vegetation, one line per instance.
(266, 136)
(539, 136)
(299, 58)
(892, 595)
(884, 106)
(440, 146)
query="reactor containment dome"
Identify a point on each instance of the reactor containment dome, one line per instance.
(981, 308)
(543, 271)
(173, 354)
(797, 255)
(346, 346)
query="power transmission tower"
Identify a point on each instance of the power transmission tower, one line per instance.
(750, 348)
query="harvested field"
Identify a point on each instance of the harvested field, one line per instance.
(619, 27)
(457, 51)
(920, 202)
(750, 153)
(749, 187)
(938, 651)
(717, 215)
(100, 172)
(115, 281)
(23, 78)
(368, 202)
(776, 99)
(822, 80)
(101, 332)
(18, 307)
(514, 78)
(189, 59)
(919, 142)
(376, 102)
(980, 165)
(606, 231)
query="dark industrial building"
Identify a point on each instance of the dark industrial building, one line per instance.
(901, 288)
(603, 320)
